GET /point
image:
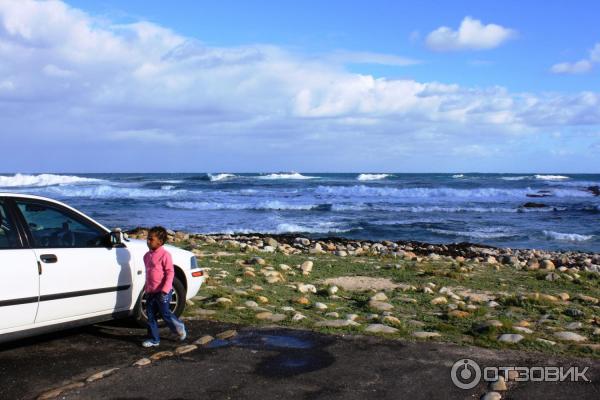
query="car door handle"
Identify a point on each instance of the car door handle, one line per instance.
(49, 258)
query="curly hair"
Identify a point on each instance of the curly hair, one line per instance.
(160, 232)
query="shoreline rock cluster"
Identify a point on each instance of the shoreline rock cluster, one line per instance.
(530, 259)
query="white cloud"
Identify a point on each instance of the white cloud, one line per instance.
(70, 78)
(471, 35)
(578, 67)
(581, 66)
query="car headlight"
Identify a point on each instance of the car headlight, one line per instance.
(193, 262)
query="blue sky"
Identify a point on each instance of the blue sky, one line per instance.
(311, 86)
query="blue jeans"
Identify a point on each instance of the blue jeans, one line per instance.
(157, 303)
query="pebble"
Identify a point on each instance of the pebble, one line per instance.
(379, 297)
(380, 305)
(439, 300)
(227, 334)
(100, 375)
(306, 267)
(204, 340)
(320, 306)
(141, 362)
(545, 341)
(250, 304)
(458, 314)
(332, 290)
(380, 328)
(306, 288)
(201, 311)
(574, 325)
(336, 323)
(257, 260)
(587, 299)
(185, 349)
(499, 385)
(570, 336)
(161, 354)
(491, 396)
(392, 320)
(302, 300)
(573, 312)
(510, 338)
(332, 314)
(352, 317)
(298, 317)
(425, 335)
(50, 394)
(522, 329)
(223, 301)
(262, 299)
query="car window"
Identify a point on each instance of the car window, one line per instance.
(8, 234)
(52, 226)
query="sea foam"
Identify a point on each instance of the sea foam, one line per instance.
(21, 180)
(567, 237)
(372, 177)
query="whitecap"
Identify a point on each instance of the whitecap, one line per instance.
(458, 176)
(551, 177)
(568, 237)
(291, 175)
(22, 180)
(483, 233)
(372, 177)
(110, 192)
(514, 178)
(167, 187)
(220, 177)
(441, 192)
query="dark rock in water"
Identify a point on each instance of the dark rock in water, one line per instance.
(595, 190)
(540, 193)
(534, 205)
(537, 195)
(322, 207)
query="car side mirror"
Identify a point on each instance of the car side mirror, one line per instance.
(118, 237)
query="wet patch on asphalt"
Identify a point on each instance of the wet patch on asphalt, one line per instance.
(298, 352)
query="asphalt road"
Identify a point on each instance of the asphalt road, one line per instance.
(264, 364)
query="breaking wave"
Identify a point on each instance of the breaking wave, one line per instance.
(291, 175)
(372, 177)
(567, 237)
(21, 180)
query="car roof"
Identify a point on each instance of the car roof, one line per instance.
(34, 197)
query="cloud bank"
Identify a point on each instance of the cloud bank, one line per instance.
(76, 89)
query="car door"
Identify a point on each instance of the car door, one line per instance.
(19, 277)
(81, 273)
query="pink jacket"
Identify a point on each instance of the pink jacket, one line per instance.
(159, 271)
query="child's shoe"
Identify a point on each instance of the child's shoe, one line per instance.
(150, 343)
(181, 331)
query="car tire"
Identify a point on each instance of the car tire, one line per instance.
(178, 304)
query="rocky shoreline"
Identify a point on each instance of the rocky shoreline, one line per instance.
(529, 259)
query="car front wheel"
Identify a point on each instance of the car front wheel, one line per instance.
(176, 305)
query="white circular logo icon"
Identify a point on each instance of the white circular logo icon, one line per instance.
(465, 373)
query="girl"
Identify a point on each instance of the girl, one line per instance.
(159, 287)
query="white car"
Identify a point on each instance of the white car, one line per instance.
(59, 268)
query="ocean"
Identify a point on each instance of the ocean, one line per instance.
(436, 208)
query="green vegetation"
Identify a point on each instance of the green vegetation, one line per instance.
(480, 293)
